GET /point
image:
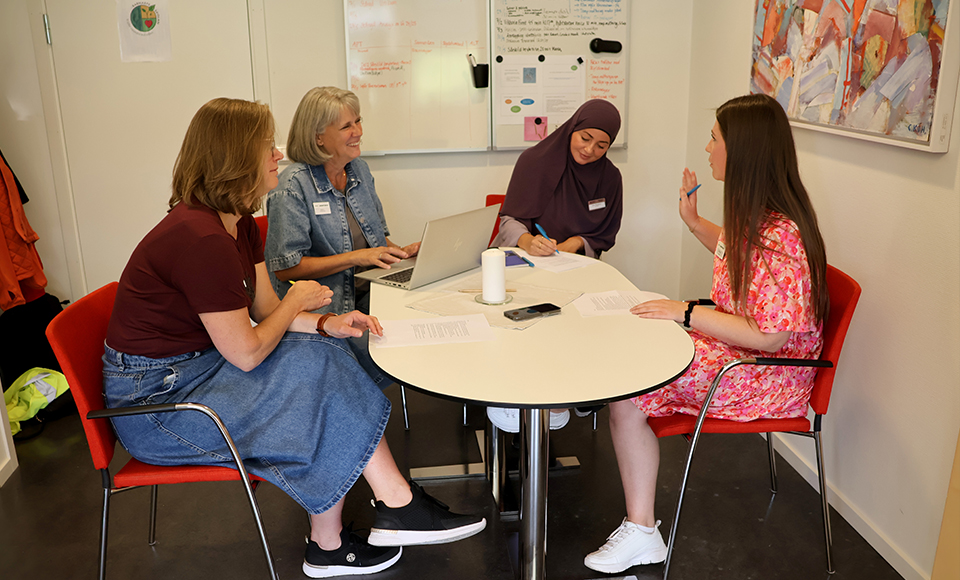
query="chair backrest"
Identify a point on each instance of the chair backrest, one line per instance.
(262, 224)
(77, 336)
(495, 199)
(844, 295)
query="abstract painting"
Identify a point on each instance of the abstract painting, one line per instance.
(869, 66)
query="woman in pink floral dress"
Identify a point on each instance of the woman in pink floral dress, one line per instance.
(769, 285)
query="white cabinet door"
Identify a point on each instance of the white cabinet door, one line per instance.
(123, 122)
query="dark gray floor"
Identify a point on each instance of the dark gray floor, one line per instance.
(732, 526)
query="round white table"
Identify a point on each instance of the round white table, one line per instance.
(562, 361)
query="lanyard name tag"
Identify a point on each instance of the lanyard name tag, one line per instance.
(321, 208)
(721, 250)
(595, 204)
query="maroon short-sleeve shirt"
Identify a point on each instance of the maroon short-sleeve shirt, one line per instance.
(188, 264)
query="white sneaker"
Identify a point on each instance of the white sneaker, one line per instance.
(628, 546)
(509, 419)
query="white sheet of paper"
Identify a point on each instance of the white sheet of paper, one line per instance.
(557, 262)
(426, 331)
(613, 302)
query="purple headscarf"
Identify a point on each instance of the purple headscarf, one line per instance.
(550, 188)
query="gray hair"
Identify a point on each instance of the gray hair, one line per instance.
(318, 109)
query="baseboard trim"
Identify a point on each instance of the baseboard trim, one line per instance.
(890, 552)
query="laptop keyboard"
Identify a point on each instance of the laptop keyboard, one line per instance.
(402, 276)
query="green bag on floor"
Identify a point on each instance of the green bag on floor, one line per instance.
(34, 390)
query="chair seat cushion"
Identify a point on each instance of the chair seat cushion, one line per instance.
(136, 472)
(679, 424)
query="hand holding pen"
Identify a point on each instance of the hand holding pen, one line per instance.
(547, 243)
(536, 245)
(688, 199)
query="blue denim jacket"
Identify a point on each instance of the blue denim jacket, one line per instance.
(308, 217)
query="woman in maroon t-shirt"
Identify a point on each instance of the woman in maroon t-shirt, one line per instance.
(302, 412)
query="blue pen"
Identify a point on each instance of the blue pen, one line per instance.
(529, 263)
(689, 193)
(544, 234)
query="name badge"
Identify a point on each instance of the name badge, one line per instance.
(321, 208)
(595, 204)
(721, 250)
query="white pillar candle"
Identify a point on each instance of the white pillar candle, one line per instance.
(493, 262)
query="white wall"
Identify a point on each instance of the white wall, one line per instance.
(23, 138)
(890, 218)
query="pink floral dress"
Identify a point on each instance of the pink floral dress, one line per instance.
(779, 299)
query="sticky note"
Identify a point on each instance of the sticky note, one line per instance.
(534, 128)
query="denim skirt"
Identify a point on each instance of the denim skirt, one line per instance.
(307, 419)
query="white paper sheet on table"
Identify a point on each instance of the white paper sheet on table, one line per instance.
(557, 262)
(452, 302)
(426, 331)
(613, 302)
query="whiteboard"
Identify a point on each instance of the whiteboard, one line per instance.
(543, 67)
(407, 62)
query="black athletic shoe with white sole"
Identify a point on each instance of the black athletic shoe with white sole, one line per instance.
(425, 520)
(354, 556)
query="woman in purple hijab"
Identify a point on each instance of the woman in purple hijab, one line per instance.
(567, 186)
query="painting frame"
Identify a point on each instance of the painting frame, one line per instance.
(880, 70)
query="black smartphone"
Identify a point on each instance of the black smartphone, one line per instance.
(535, 311)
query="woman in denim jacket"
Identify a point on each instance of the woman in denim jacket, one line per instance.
(326, 221)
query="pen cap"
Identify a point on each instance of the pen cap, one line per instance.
(493, 263)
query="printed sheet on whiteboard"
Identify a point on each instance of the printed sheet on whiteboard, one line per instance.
(530, 88)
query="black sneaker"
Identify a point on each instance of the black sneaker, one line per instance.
(354, 556)
(425, 520)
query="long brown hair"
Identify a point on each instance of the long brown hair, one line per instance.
(220, 164)
(762, 177)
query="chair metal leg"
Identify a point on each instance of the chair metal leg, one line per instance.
(103, 533)
(594, 420)
(243, 476)
(695, 437)
(773, 463)
(152, 536)
(464, 414)
(403, 401)
(827, 533)
(496, 463)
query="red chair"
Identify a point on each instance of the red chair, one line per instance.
(844, 294)
(495, 199)
(262, 224)
(77, 336)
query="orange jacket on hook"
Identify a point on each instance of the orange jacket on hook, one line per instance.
(19, 261)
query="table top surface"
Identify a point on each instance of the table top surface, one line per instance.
(561, 361)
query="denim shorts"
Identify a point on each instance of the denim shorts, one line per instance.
(307, 419)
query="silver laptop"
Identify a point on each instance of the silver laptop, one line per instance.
(449, 246)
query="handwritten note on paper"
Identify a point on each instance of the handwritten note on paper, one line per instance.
(613, 302)
(427, 331)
